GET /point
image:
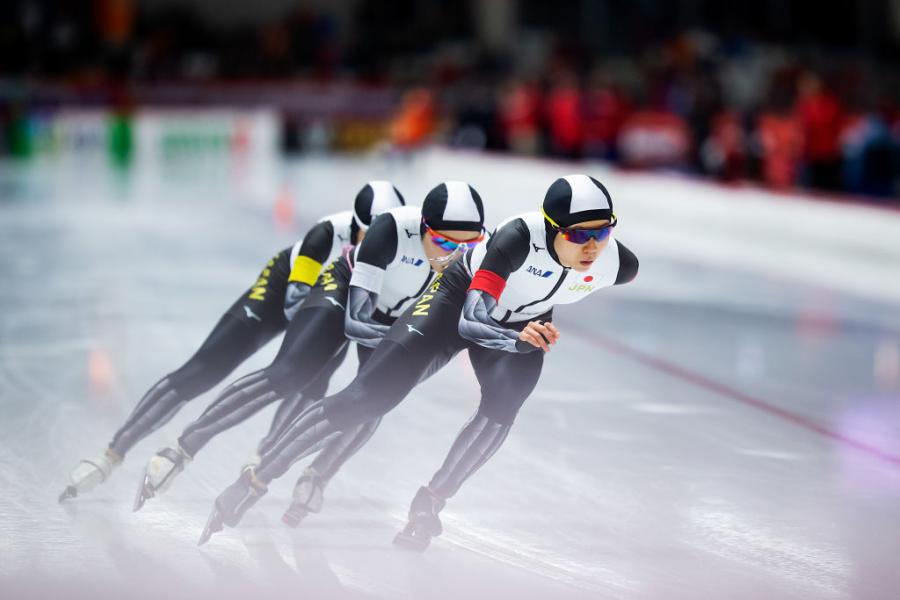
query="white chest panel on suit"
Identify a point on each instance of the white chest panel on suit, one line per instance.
(542, 283)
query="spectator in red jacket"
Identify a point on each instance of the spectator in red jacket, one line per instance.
(520, 116)
(780, 143)
(565, 121)
(605, 109)
(821, 120)
(723, 153)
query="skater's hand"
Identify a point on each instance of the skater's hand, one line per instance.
(540, 335)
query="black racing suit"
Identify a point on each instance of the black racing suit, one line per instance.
(314, 345)
(315, 341)
(420, 343)
(251, 322)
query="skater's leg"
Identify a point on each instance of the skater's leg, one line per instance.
(231, 342)
(372, 393)
(309, 490)
(506, 379)
(308, 496)
(314, 337)
(315, 428)
(421, 341)
(384, 381)
(329, 292)
(333, 457)
(291, 407)
(249, 324)
(253, 320)
(308, 346)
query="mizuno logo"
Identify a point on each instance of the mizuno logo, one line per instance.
(342, 238)
(411, 261)
(537, 248)
(539, 272)
(335, 302)
(412, 329)
(251, 314)
(409, 234)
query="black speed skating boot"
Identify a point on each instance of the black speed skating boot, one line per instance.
(231, 504)
(424, 522)
(307, 498)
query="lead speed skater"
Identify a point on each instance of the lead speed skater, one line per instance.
(255, 318)
(498, 304)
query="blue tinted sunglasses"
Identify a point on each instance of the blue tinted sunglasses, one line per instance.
(583, 236)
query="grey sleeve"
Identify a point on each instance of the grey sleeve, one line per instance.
(476, 325)
(294, 296)
(359, 325)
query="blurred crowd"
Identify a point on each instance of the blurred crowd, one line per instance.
(690, 107)
(650, 91)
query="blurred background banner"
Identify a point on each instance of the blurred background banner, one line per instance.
(788, 94)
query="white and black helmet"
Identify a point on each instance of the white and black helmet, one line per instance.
(455, 206)
(575, 199)
(373, 199)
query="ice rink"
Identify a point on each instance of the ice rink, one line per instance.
(726, 426)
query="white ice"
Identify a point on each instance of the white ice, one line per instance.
(727, 426)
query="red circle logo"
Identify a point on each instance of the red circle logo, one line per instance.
(589, 278)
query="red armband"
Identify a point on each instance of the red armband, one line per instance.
(488, 281)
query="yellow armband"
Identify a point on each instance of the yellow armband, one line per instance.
(306, 270)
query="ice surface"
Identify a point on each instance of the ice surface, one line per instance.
(710, 431)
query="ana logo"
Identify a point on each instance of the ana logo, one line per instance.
(539, 272)
(406, 260)
(580, 287)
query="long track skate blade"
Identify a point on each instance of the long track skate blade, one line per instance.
(408, 539)
(69, 492)
(145, 491)
(213, 525)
